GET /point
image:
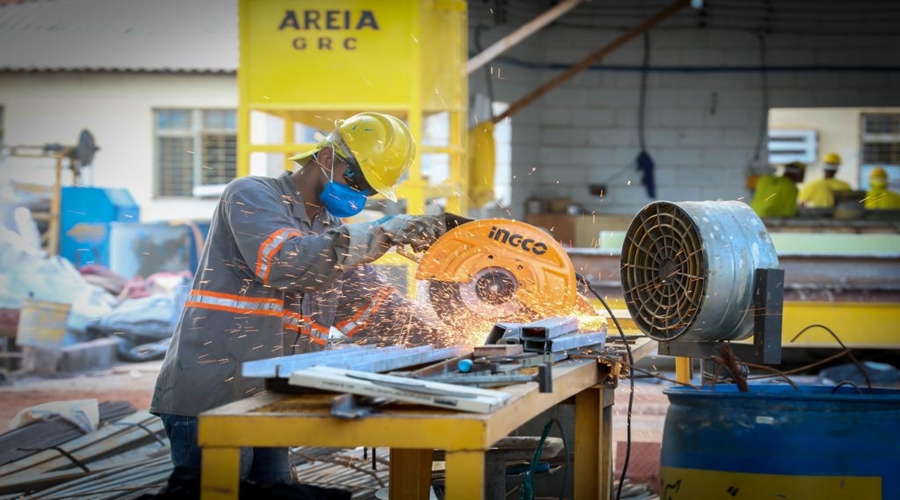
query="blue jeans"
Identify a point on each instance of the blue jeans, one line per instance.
(265, 466)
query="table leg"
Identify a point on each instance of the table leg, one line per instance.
(465, 475)
(607, 398)
(220, 475)
(410, 474)
(592, 446)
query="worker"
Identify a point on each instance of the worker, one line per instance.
(820, 193)
(280, 274)
(777, 196)
(879, 197)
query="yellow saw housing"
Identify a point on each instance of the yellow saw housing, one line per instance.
(542, 274)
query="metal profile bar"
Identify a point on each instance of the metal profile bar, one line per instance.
(397, 361)
(505, 333)
(565, 343)
(266, 368)
(549, 328)
(382, 353)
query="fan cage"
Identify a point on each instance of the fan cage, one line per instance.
(664, 270)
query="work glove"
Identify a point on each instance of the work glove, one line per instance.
(417, 231)
(453, 221)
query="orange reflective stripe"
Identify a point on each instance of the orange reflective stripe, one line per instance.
(366, 314)
(236, 310)
(304, 324)
(383, 291)
(269, 248)
(242, 298)
(238, 304)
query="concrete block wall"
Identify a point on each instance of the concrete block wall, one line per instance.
(701, 127)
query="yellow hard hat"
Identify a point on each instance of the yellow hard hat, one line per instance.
(878, 178)
(832, 159)
(380, 144)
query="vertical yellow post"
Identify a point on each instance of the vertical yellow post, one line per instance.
(415, 199)
(288, 133)
(683, 370)
(243, 113)
(410, 474)
(465, 475)
(592, 446)
(220, 474)
(459, 118)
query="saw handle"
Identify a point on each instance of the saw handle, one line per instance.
(451, 221)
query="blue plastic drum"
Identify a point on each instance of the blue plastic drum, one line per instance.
(775, 442)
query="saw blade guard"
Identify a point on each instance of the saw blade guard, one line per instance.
(521, 264)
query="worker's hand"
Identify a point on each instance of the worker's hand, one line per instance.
(418, 231)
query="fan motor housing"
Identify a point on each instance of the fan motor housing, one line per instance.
(688, 269)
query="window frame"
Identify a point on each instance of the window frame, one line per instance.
(196, 133)
(893, 169)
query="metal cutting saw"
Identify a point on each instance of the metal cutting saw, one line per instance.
(499, 270)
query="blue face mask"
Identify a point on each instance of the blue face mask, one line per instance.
(340, 200)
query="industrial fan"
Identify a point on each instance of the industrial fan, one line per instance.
(696, 274)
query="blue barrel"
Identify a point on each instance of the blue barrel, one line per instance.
(778, 442)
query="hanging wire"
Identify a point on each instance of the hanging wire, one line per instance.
(642, 103)
(764, 103)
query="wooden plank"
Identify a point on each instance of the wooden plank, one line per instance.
(85, 446)
(591, 59)
(509, 41)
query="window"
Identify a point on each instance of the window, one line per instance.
(880, 145)
(786, 146)
(195, 149)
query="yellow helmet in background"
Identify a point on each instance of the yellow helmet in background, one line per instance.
(878, 178)
(380, 144)
(832, 159)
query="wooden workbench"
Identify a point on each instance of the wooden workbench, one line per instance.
(413, 432)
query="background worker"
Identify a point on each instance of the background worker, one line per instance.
(820, 193)
(279, 273)
(776, 196)
(879, 197)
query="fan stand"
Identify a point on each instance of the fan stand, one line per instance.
(767, 306)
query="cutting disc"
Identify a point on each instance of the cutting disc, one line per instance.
(498, 270)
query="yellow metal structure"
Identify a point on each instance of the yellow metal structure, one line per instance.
(860, 325)
(314, 62)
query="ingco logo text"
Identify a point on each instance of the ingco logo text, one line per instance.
(517, 241)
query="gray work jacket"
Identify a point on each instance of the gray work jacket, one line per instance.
(272, 282)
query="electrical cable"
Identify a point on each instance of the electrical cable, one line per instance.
(489, 83)
(612, 316)
(642, 102)
(764, 112)
(527, 491)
